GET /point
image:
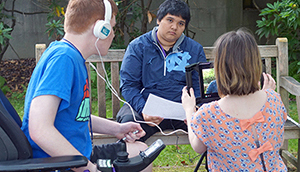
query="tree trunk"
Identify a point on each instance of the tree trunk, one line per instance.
(145, 15)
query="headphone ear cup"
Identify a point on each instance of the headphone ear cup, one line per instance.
(102, 29)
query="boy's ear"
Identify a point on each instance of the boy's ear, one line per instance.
(157, 21)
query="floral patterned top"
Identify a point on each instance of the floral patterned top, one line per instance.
(231, 143)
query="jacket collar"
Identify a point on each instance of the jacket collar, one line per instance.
(176, 47)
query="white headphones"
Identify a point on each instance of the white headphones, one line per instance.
(102, 28)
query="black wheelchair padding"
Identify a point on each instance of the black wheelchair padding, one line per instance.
(9, 108)
(44, 164)
(13, 142)
(16, 152)
(134, 164)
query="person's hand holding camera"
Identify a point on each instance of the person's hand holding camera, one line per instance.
(188, 102)
(269, 82)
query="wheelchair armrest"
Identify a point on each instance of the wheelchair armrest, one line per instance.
(51, 163)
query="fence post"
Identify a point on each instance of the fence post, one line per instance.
(115, 81)
(282, 70)
(282, 65)
(39, 49)
(101, 92)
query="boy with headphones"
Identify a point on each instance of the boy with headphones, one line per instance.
(57, 119)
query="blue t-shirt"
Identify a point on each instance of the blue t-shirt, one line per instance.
(61, 71)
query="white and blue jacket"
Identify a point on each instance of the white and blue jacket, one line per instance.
(145, 69)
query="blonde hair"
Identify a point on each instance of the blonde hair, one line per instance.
(81, 14)
(237, 64)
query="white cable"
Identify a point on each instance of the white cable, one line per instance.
(111, 88)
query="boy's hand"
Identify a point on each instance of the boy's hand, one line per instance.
(130, 131)
(90, 167)
(154, 119)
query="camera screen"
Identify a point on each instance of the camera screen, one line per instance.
(209, 81)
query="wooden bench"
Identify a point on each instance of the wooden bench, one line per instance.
(272, 54)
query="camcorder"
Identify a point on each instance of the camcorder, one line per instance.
(200, 67)
(134, 164)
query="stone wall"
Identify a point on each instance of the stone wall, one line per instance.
(210, 19)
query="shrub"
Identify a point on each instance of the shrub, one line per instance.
(282, 19)
(3, 85)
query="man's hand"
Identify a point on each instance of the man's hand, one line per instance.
(131, 131)
(154, 119)
(90, 167)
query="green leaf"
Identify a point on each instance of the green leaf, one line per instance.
(268, 23)
(60, 32)
(7, 36)
(276, 5)
(276, 30)
(265, 12)
(270, 5)
(7, 30)
(1, 40)
(258, 32)
(267, 33)
(295, 26)
(2, 81)
(274, 23)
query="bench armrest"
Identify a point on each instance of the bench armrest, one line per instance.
(290, 84)
(51, 163)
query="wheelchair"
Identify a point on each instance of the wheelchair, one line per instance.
(16, 152)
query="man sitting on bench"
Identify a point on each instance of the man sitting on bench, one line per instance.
(155, 63)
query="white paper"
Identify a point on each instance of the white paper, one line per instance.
(157, 106)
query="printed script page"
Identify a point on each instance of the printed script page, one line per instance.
(157, 106)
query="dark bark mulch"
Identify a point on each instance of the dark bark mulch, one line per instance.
(17, 73)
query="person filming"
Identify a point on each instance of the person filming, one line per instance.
(243, 131)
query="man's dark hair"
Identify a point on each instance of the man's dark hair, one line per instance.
(176, 8)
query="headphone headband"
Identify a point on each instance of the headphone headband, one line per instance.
(103, 28)
(108, 10)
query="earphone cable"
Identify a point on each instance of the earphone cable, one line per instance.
(106, 80)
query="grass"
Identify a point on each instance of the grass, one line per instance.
(181, 158)
(176, 158)
(17, 100)
(293, 143)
